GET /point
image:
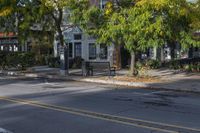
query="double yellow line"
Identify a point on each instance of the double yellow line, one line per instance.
(157, 126)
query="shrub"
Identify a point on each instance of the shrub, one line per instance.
(191, 65)
(2, 59)
(77, 62)
(53, 61)
(139, 65)
(195, 67)
(175, 64)
(26, 59)
(16, 59)
(149, 64)
(41, 60)
(153, 64)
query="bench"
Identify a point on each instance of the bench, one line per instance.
(88, 68)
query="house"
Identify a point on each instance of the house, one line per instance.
(82, 45)
(9, 42)
(167, 53)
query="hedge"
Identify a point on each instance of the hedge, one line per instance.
(18, 60)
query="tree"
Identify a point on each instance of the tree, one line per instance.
(55, 9)
(127, 24)
(6, 7)
(48, 14)
(7, 17)
(95, 22)
(140, 24)
(28, 17)
(192, 37)
(42, 12)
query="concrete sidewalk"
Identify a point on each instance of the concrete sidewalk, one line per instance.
(168, 79)
(178, 82)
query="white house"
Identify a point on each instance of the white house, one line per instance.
(84, 46)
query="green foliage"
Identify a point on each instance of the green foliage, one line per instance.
(54, 61)
(143, 66)
(174, 64)
(192, 67)
(6, 7)
(140, 24)
(153, 64)
(16, 60)
(77, 62)
(41, 59)
(48, 14)
(148, 64)
(78, 10)
(23, 60)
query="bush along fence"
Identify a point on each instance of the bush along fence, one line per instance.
(191, 65)
(17, 60)
(22, 60)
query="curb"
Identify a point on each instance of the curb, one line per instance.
(110, 82)
(139, 85)
(114, 82)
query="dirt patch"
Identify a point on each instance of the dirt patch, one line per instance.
(133, 79)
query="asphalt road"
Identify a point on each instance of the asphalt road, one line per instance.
(56, 106)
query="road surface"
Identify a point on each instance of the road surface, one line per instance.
(37, 105)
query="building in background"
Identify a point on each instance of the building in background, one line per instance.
(82, 45)
(9, 42)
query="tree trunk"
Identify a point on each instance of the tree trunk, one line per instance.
(162, 58)
(58, 22)
(160, 54)
(133, 64)
(117, 57)
(61, 38)
(64, 61)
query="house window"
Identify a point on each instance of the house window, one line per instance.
(70, 46)
(77, 36)
(92, 51)
(77, 49)
(103, 51)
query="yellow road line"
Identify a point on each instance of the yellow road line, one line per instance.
(134, 119)
(99, 115)
(86, 115)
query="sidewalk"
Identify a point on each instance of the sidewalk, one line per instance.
(165, 78)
